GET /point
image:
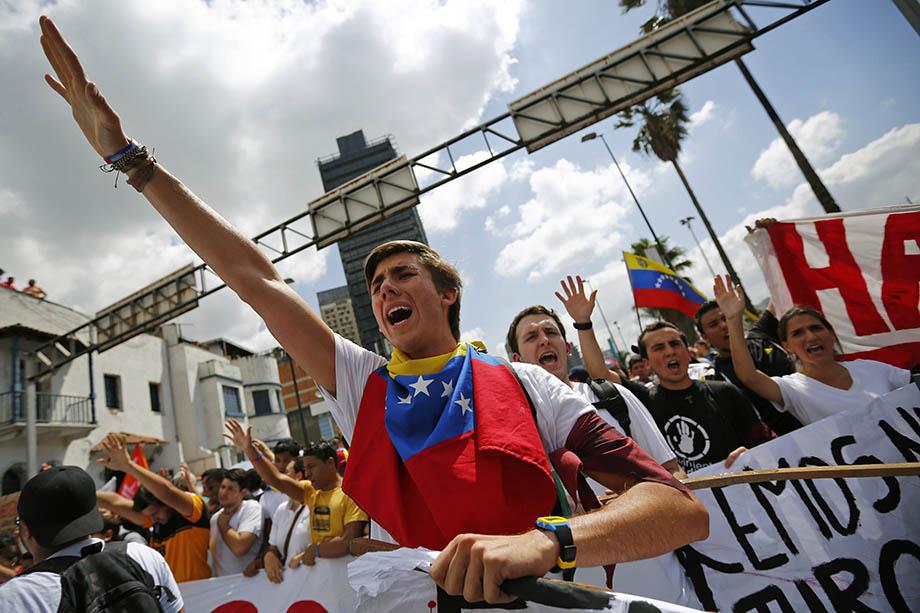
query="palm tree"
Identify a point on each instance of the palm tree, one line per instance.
(671, 9)
(674, 253)
(663, 127)
(679, 262)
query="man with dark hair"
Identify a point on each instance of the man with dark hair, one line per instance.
(335, 518)
(415, 297)
(763, 345)
(639, 371)
(237, 527)
(704, 421)
(538, 337)
(73, 571)
(179, 519)
(210, 486)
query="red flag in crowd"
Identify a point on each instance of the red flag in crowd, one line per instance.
(130, 485)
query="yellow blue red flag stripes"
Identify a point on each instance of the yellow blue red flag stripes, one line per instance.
(658, 287)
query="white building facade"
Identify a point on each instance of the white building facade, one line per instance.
(173, 393)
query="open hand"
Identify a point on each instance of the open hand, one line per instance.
(729, 296)
(116, 446)
(241, 439)
(97, 120)
(577, 303)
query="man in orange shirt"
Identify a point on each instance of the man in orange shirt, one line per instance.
(179, 519)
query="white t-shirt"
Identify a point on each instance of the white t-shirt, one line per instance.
(558, 406)
(248, 518)
(810, 400)
(41, 592)
(642, 427)
(281, 524)
(270, 501)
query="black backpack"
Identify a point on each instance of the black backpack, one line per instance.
(611, 400)
(103, 581)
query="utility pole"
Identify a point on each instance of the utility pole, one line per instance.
(686, 222)
(610, 342)
(658, 246)
(622, 337)
(817, 186)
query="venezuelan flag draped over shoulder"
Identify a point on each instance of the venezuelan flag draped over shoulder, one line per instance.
(447, 445)
(658, 287)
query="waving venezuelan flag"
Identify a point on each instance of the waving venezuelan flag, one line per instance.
(447, 445)
(658, 287)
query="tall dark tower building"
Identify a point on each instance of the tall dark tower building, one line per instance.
(356, 156)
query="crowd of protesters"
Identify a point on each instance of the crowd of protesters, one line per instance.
(451, 448)
(31, 288)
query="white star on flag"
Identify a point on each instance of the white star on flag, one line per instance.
(406, 400)
(421, 386)
(464, 404)
(448, 389)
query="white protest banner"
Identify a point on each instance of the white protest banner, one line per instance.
(376, 582)
(861, 269)
(824, 544)
(386, 582)
(322, 588)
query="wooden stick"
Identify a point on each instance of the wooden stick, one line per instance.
(857, 471)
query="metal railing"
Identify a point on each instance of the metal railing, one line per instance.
(50, 409)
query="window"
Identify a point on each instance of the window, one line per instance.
(112, 391)
(262, 402)
(325, 426)
(232, 406)
(155, 397)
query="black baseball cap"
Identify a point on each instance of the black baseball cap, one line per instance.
(59, 505)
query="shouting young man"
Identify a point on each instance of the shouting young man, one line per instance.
(537, 336)
(429, 429)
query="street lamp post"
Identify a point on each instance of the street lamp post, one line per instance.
(610, 342)
(658, 247)
(622, 337)
(686, 222)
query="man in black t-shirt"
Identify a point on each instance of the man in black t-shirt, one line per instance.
(704, 422)
(769, 357)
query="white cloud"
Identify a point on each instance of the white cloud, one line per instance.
(818, 137)
(521, 169)
(882, 172)
(574, 215)
(441, 208)
(706, 113)
(239, 99)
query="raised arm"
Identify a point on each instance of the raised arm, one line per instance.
(242, 440)
(121, 506)
(731, 301)
(235, 258)
(579, 306)
(163, 489)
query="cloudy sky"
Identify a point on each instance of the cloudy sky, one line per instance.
(240, 98)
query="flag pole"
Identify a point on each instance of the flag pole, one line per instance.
(633, 292)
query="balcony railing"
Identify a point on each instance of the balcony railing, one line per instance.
(50, 409)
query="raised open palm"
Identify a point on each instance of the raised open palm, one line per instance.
(97, 120)
(577, 303)
(729, 296)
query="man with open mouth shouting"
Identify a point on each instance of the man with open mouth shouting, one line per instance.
(446, 452)
(704, 421)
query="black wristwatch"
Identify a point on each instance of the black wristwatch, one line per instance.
(584, 325)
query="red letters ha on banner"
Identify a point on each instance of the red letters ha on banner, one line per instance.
(861, 269)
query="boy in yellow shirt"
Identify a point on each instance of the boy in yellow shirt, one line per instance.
(335, 519)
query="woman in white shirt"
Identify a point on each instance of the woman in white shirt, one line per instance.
(823, 386)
